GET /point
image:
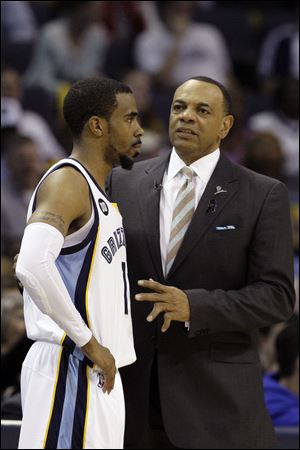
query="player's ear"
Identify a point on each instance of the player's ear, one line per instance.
(97, 125)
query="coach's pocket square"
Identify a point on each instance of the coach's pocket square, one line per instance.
(226, 227)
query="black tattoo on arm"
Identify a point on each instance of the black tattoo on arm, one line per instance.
(52, 219)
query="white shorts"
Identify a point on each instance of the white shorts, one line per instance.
(63, 406)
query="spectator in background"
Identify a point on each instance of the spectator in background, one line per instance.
(17, 21)
(279, 55)
(178, 48)
(26, 122)
(174, 48)
(69, 48)
(266, 347)
(23, 171)
(12, 320)
(283, 123)
(14, 346)
(18, 33)
(235, 143)
(124, 21)
(264, 155)
(282, 387)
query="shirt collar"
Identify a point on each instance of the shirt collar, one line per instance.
(203, 167)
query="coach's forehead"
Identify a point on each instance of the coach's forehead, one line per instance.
(194, 91)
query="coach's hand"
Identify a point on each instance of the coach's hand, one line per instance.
(103, 360)
(168, 300)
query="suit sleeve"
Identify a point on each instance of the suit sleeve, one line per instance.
(268, 297)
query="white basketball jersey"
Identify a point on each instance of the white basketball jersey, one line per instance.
(94, 272)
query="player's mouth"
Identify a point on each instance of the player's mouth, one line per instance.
(137, 146)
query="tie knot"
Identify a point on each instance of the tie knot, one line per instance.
(187, 172)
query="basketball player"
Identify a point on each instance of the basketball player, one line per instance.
(72, 264)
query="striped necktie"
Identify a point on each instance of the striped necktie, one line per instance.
(182, 214)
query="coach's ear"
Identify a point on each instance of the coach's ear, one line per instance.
(227, 123)
(97, 125)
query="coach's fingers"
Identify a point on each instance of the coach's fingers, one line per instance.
(143, 297)
(168, 317)
(153, 285)
(157, 309)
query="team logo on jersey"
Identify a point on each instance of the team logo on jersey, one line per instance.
(114, 243)
(103, 206)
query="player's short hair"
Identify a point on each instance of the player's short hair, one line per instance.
(91, 97)
(227, 102)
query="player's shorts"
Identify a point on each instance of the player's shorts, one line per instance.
(63, 404)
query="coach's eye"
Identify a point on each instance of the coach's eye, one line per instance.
(177, 107)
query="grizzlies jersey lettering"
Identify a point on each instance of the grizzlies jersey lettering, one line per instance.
(94, 272)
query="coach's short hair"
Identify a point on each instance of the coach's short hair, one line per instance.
(227, 102)
(91, 97)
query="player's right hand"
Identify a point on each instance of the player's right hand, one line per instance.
(104, 362)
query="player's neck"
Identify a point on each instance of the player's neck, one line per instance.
(94, 162)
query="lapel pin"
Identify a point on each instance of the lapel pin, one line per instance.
(219, 190)
(212, 206)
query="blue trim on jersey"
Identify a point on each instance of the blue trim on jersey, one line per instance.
(68, 344)
(55, 421)
(69, 267)
(69, 410)
(93, 231)
(71, 347)
(80, 408)
(82, 281)
(66, 426)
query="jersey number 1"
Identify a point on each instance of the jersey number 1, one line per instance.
(125, 287)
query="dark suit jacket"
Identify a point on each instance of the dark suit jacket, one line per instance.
(237, 280)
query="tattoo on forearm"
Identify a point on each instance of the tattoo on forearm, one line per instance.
(52, 219)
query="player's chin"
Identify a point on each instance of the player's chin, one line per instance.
(135, 150)
(126, 162)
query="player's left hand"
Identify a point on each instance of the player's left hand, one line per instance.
(168, 300)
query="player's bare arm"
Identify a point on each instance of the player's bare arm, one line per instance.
(63, 201)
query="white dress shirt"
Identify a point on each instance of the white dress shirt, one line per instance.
(171, 184)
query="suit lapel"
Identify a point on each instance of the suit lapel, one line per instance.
(224, 176)
(149, 199)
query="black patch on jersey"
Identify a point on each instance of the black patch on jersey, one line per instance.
(103, 206)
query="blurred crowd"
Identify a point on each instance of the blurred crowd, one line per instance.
(153, 46)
